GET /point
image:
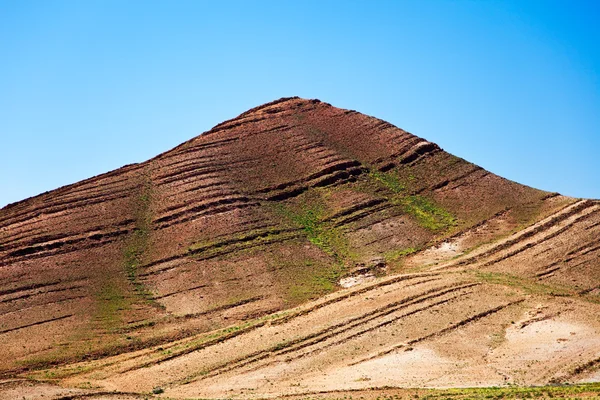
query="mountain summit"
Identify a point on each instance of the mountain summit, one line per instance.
(299, 248)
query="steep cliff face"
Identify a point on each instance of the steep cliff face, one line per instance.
(260, 214)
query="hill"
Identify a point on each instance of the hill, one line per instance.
(298, 248)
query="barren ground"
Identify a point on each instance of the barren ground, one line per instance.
(299, 250)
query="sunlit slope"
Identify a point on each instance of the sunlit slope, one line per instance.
(185, 271)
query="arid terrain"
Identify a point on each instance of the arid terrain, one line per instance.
(299, 250)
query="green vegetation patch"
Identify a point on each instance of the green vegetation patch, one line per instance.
(114, 296)
(111, 302)
(236, 243)
(394, 255)
(424, 210)
(585, 390)
(390, 180)
(309, 214)
(311, 283)
(427, 213)
(133, 253)
(138, 241)
(515, 392)
(304, 274)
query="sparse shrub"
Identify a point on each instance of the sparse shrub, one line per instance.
(158, 390)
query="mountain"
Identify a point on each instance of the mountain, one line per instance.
(298, 248)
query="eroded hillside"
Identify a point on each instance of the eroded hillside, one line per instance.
(299, 248)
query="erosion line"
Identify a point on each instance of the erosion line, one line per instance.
(445, 330)
(35, 324)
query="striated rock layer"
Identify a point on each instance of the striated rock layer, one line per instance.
(269, 211)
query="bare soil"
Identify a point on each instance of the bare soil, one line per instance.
(298, 250)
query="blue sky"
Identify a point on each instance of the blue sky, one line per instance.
(88, 86)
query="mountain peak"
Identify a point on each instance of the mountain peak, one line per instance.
(256, 220)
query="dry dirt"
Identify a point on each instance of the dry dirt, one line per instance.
(297, 250)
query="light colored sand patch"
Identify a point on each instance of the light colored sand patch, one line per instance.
(262, 383)
(442, 251)
(403, 368)
(356, 280)
(534, 353)
(24, 390)
(420, 367)
(592, 377)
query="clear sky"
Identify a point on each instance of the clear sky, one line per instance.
(88, 86)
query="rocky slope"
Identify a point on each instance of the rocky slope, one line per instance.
(218, 268)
